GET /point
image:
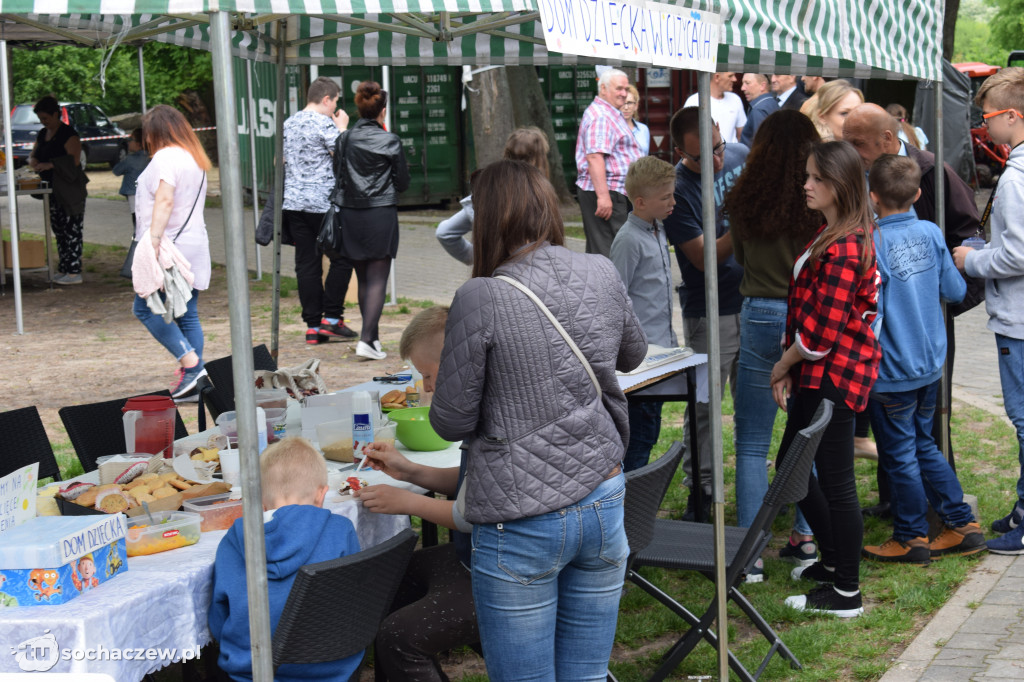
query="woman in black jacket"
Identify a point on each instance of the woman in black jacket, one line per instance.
(370, 170)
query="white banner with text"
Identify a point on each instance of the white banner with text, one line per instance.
(634, 31)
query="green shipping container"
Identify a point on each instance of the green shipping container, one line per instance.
(264, 91)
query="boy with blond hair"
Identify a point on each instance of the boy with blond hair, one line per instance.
(916, 272)
(1001, 264)
(297, 531)
(640, 254)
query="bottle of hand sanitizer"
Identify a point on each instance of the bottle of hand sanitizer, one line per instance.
(362, 420)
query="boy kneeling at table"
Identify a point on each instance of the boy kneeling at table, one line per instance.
(297, 531)
(433, 610)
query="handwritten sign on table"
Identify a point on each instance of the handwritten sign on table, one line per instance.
(18, 496)
(632, 30)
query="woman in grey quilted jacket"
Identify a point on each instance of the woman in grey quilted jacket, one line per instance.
(545, 438)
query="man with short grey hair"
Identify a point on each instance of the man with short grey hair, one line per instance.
(605, 147)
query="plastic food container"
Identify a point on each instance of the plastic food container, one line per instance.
(272, 398)
(171, 531)
(216, 512)
(335, 440)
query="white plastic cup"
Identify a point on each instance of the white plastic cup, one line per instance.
(231, 467)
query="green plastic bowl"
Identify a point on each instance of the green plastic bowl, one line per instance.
(414, 429)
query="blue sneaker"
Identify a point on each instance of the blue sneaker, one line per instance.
(1010, 543)
(1010, 521)
(186, 380)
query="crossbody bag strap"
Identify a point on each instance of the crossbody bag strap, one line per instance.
(199, 194)
(558, 325)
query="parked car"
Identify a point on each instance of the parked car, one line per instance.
(88, 119)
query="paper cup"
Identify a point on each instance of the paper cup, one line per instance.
(231, 467)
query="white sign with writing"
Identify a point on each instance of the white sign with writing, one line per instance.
(632, 30)
(18, 496)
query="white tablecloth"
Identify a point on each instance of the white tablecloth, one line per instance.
(162, 601)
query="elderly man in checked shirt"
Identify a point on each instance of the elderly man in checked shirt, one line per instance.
(605, 147)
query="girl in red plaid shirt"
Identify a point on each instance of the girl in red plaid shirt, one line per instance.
(831, 353)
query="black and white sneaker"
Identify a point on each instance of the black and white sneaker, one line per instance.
(826, 599)
(1010, 521)
(816, 572)
(800, 553)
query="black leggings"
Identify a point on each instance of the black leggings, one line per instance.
(432, 612)
(372, 276)
(831, 505)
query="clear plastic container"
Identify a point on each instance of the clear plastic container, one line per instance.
(335, 440)
(216, 512)
(172, 530)
(272, 398)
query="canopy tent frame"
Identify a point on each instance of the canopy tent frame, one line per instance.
(752, 50)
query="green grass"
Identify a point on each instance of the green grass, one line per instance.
(899, 599)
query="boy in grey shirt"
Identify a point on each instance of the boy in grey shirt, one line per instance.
(640, 254)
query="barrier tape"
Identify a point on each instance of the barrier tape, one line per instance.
(107, 137)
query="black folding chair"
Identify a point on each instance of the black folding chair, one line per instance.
(217, 389)
(689, 546)
(97, 429)
(25, 442)
(319, 622)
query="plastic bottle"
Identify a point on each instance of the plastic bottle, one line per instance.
(362, 420)
(975, 242)
(261, 429)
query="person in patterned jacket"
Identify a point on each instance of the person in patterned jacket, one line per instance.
(831, 353)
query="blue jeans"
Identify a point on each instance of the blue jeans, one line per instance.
(644, 427)
(547, 589)
(918, 472)
(762, 330)
(1011, 377)
(179, 337)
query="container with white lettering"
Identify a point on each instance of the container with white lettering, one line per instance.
(53, 559)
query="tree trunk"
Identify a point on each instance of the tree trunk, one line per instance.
(490, 108)
(949, 28)
(529, 108)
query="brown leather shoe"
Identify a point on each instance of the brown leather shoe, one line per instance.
(912, 551)
(962, 541)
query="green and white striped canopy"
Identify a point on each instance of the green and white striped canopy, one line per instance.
(854, 38)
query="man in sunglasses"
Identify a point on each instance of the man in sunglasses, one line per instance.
(685, 230)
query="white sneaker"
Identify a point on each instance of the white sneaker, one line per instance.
(377, 346)
(365, 350)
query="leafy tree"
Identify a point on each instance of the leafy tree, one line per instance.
(73, 74)
(974, 43)
(1007, 26)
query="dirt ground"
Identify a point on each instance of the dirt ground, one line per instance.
(82, 344)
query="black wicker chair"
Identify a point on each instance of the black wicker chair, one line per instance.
(97, 429)
(217, 389)
(689, 546)
(319, 622)
(25, 442)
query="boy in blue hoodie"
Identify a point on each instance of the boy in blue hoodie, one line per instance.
(916, 271)
(298, 531)
(1001, 264)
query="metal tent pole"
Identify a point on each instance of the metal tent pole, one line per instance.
(252, 159)
(142, 80)
(241, 346)
(12, 198)
(707, 186)
(278, 189)
(940, 217)
(385, 76)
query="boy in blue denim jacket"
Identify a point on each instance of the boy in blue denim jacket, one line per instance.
(131, 168)
(916, 271)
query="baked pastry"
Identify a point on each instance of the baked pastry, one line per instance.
(163, 492)
(112, 502)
